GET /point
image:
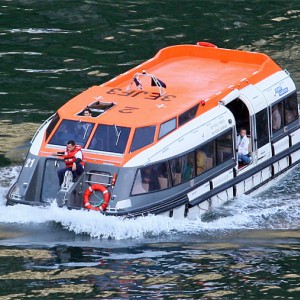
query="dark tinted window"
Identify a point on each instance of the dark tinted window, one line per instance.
(224, 147)
(142, 137)
(262, 130)
(110, 138)
(277, 116)
(214, 152)
(52, 124)
(284, 112)
(72, 130)
(206, 157)
(188, 115)
(151, 178)
(183, 168)
(167, 127)
(290, 109)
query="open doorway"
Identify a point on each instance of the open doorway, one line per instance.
(242, 118)
(241, 114)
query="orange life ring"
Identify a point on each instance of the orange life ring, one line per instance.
(91, 189)
(206, 44)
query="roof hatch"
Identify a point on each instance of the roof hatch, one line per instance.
(97, 108)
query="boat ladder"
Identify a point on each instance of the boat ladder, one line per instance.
(104, 179)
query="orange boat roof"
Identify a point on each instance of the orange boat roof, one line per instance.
(191, 73)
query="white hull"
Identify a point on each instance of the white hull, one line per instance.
(221, 198)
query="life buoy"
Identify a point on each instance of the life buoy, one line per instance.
(206, 44)
(91, 189)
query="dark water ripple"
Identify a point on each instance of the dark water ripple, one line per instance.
(154, 271)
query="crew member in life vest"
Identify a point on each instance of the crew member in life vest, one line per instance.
(73, 158)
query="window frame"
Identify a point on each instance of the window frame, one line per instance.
(108, 140)
(262, 136)
(168, 131)
(70, 134)
(185, 116)
(146, 143)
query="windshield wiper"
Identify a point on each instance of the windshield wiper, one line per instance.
(85, 128)
(118, 133)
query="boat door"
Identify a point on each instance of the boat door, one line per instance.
(250, 110)
(259, 115)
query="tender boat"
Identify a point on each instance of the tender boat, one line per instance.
(162, 137)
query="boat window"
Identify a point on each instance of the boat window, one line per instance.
(284, 112)
(290, 109)
(151, 178)
(49, 187)
(188, 115)
(142, 137)
(52, 124)
(206, 157)
(110, 138)
(277, 116)
(224, 147)
(72, 130)
(167, 127)
(203, 158)
(262, 129)
(183, 168)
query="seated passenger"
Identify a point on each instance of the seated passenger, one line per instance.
(242, 147)
(150, 176)
(73, 158)
(290, 115)
(201, 162)
(276, 118)
(187, 171)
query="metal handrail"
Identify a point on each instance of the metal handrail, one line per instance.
(135, 79)
(99, 174)
(97, 182)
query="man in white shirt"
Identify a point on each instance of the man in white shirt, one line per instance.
(243, 147)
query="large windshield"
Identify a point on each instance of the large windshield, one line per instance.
(72, 130)
(110, 138)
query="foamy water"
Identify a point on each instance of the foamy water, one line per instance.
(245, 212)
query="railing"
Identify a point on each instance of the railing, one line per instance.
(155, 81)
(106, 183)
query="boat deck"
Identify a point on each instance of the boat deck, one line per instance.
(191, 74)
(200, 78)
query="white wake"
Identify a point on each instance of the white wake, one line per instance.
(242, 213)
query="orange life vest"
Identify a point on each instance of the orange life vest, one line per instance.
(70, 158)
